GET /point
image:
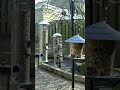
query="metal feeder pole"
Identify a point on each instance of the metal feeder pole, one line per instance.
(72, 74)
(72, 33)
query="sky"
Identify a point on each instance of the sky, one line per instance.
(36, 1)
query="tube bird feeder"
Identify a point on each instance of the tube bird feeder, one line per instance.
(43, 27)
(100, 49)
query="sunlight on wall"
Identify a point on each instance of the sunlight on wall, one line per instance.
(36, 1)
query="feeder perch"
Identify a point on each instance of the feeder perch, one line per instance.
(43, 27)
(100, 49)
(57, 49)
(76, 46)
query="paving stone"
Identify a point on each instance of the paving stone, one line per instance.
(48, 81)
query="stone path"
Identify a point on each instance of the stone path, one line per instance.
(48, 81)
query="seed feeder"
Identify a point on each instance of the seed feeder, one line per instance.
(43, 27)
(57, 49)
(76, 45)
(100, 49)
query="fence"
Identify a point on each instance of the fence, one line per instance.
(63, 27)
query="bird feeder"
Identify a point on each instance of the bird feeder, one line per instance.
(57, 49)
(76, 45)
(100, 49)
(43, 27)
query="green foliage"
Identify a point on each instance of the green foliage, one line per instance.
(80, 67)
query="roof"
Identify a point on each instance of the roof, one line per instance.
(102, 31)
(54, 13)
(57, 34)
(75, 39)
(44, 23)
(48, 6)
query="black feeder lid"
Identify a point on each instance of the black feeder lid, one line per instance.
(75, 39)
(101, 31)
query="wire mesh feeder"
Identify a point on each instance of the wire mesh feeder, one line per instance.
(99, 57)
(57, 49)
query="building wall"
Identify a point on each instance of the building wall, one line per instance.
(38, 15)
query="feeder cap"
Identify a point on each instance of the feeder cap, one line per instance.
(101, 31)
(57, 34)
(44, 23)
(75, 39)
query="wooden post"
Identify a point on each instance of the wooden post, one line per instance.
(21, 39)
